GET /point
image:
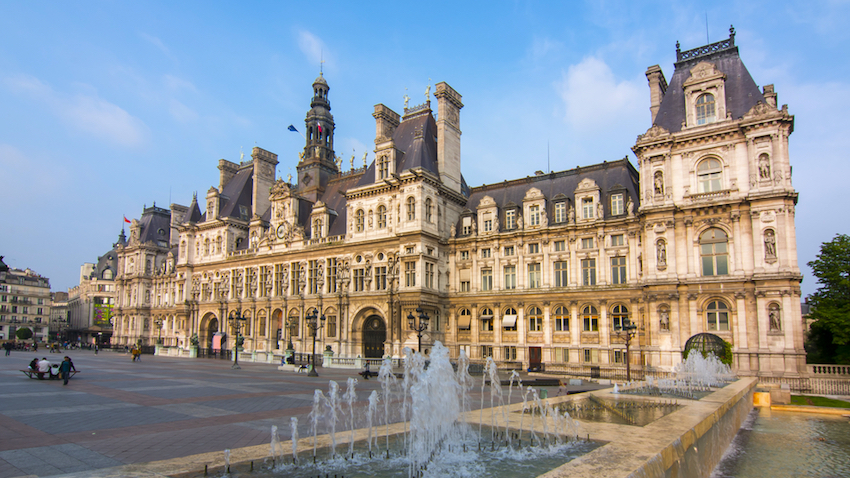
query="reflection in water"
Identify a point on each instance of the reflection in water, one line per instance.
(779, 444)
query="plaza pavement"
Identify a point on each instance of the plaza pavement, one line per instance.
(117, 412)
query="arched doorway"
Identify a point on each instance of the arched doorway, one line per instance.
(374, 335)
(209, 326)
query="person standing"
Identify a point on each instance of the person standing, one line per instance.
(8, 346)
(65, 369)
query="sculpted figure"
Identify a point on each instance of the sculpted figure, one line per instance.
(764, 167)
(600, 211)
(572, 214)
(630, 207)
(769, 244)
(659, 183)
(665, 320)
(773, 315)
(662, 253)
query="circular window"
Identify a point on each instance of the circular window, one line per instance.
(358, 258)
(380, 256)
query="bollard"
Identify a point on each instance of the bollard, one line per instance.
(205, 470)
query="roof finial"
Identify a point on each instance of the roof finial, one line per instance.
(322, 62)
(406, 98)
(732, 34)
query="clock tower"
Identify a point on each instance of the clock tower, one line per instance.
(317, 164)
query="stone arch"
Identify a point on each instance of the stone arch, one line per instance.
(369, 324)
(209, 326)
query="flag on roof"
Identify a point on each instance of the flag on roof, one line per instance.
(127, 220)
(320, 127)
(292, 128)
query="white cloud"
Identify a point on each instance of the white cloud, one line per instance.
(594, 99)
(312, 47)
(175, 83)
(84, 112)
(181, 112)
(159, 44)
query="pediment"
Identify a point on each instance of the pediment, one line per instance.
(485, 202)
(704, 71)
(533, 194)
(760, 109)
(587, 184)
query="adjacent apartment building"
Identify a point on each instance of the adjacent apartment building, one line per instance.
(24, 302)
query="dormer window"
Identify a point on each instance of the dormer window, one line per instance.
(510, 219)
(317, 228)
(705, 109)
(383, 167)
(616, 204)
(359, 220)
(587, 208)
(534, 215)
(561, 212)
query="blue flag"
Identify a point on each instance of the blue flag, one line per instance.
(292, 128)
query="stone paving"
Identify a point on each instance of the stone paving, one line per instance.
(117, 412)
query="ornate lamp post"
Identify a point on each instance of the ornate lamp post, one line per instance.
(313, 321)
(418, 328)
(627, 330)
(237, 322)
(158, 322)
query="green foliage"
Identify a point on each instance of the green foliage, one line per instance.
(727, 353)
(23, 333)
(818, 401)
(829, 339)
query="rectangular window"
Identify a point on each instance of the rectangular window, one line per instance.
(464, 255)
(488, 225)
(464, 286)
(564, 355)
(534, 215)
(619, 356)
(313, 277)
(331, 326)
(587, 243)
(535, 323)
(562, 323)
(485, 253)
(591, 355)
(617, 240)
(560, 246)
(510, 277)
(294, 279)
(509, 250)
(534, 248)
(560, 273)
(359, 280)
(534, 276)
(560, 212)
(429, 275)
(279, 280)
(616, 204)
(410, 274)
(381, 278)
(510, 219)
(487, 324)
(618, 270)
(331, 277)
(486, 279)
(588, 271)
(486, 351)
(466, 228)
(587, 208)
(510, 354)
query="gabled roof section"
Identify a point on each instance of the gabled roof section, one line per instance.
(742, 93)
(193, 214)
(606, 175)
(238, 192)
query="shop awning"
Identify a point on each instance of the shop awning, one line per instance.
(463, 321)
(509, 321)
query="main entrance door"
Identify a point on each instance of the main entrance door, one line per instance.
(374, 335)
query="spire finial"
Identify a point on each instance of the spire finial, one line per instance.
(322, 62)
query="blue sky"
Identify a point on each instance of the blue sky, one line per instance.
(111, 106)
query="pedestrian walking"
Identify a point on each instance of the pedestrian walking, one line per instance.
(65, 369)
(8, 346)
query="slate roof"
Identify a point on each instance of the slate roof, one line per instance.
(237, 192)
(334, 199)
(609, 176)
(193, 214)
(155, 226)
(742, 93)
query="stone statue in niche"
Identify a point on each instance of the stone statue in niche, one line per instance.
(630, 207)
(769, 244)
(659, 183)
(764, 167)
(773, 317)
(519, 221)
(600, 211)
(665, 319)
(474, 227)
(572, 214)
(661, 249)
(496, 224)
(453, 231)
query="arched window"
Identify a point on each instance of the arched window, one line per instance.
(709, 176)
(509, 319)
(562, 319)
(590, 317)
(107, 274)
(218, 241)
(246, 329)
(207, 246)
(714, 252)
(619, 316)
(261, 324)
(705, 109)
(535, 319)
(330, 326)
(428, 210)
(463, 320)
(292, 323)
(411, 208)
(359, 220)
(382, 216)
(486, 318)
(317, 228)
(717, 316)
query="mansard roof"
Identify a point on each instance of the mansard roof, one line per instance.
(106, 261)
(607, 175)
(193, 214)
(155, 226)
(237, 192)
(742, 93)
(334, 199)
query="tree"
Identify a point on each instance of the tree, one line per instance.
(23, 333)
(830, 304)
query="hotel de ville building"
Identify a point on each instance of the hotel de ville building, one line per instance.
(699, 239)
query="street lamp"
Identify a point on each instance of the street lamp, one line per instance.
(628, 331)
(158, 322)
(237, 322)
(423, 324)
(290, 326)
(312, 321)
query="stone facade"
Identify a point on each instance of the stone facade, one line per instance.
(539, 269)
(91, 303)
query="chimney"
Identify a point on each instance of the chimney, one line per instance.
(448, 135)
(386, 121)
(264, 169)
(227, 171)
(657, 88)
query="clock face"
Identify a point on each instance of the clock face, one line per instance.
(281, 231)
